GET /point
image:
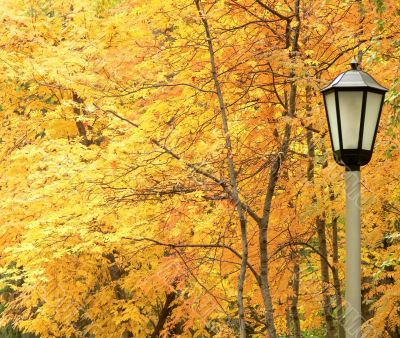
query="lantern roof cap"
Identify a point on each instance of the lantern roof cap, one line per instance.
(354, 78)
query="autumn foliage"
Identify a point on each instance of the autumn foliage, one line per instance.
(166, 168)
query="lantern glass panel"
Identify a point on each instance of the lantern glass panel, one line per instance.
(350, 103)
(333, 123)
(373, 106)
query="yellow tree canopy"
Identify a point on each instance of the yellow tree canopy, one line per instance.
(165, 166)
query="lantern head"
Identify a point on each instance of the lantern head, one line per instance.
(353, 104)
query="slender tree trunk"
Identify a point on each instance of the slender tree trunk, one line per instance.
(116, 274)
(288, 325)
(310, 139)
(79, 124)
(262, 238)
(334, 269)
(264, 223)
(165, 312)
(231, 169)
(336, 280)
(321, 230)
(294, 301)
(292, 312)
(273, 177)
(293, 37)
(292, 111)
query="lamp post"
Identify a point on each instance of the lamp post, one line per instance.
(353, 104)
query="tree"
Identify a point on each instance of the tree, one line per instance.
(165, 166)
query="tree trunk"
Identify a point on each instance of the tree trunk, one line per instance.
(164, 314)
(231, 169)
(293, 37)
(79, 124)
(330, 327)
(263, 244)
(292, 313)
(321, 231)
(336, 280)
(288, 325)
(293, 306)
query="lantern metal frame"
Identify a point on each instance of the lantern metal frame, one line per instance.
(352, 159)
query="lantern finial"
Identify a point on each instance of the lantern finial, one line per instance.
(354, 64)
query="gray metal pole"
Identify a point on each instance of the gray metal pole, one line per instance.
(353, 255)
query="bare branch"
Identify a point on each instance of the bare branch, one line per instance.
(273, 11)
(192, 245)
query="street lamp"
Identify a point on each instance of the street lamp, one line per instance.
(353, 104)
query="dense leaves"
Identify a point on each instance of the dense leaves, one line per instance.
(166, 169)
